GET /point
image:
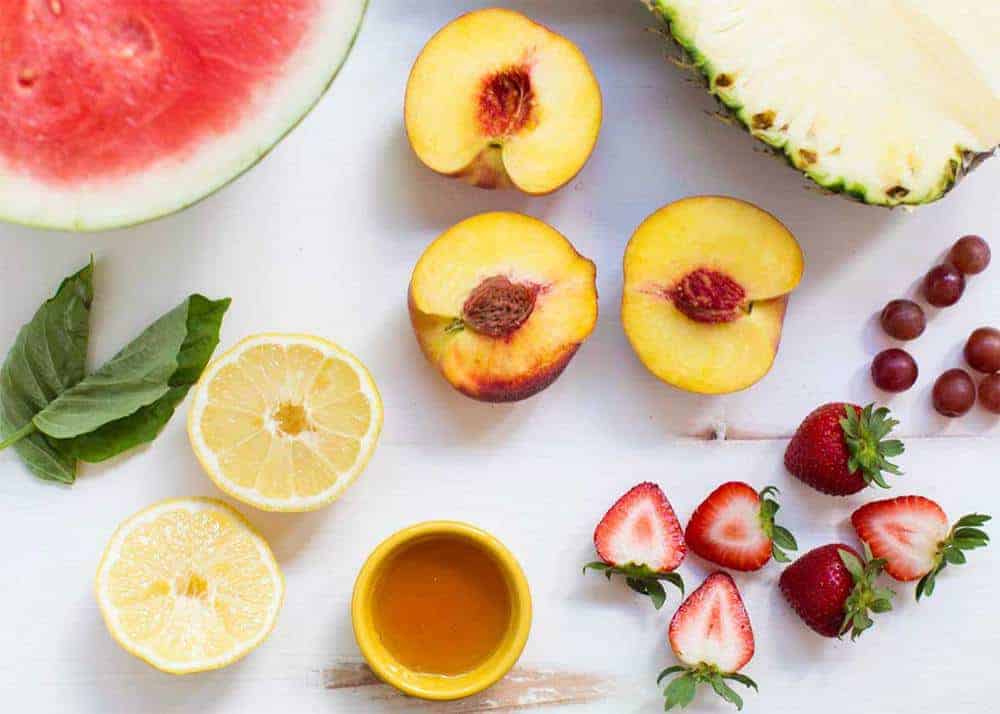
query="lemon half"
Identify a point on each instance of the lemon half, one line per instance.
(187, 585)
(285, 422)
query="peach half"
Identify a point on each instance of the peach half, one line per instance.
(706, 285)
(500, 101)
(500, 303)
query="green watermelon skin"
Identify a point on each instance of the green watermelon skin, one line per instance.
(143, 108)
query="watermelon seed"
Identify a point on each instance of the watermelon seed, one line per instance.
(135, 38)
(26, 80)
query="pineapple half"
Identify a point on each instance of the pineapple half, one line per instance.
(889, 101)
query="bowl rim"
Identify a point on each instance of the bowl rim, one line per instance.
(445, 688)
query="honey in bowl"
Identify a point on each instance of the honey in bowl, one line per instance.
(441, 605)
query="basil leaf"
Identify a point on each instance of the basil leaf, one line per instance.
(129, 401)
(54, 415)
(135, 377)
(48, 357)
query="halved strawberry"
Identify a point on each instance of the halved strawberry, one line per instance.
(911, 534)
(640, 538)
(712, 636)
(734, 527)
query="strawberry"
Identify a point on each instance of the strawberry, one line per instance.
(711, 635)
(912, 535)
(832, 588)
(840, 449)
(734, 527)
(641, 539)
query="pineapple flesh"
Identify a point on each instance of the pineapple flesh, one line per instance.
(889, 101)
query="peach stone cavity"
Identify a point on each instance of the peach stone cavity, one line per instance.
(707, 295)
(498, 307)
(506, 102)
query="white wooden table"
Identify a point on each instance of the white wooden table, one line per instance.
(322, 237)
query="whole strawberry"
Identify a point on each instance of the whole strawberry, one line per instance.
(912, 535)
(832, 589)
(641, 539)
(841, 449)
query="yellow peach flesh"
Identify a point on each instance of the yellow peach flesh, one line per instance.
(707, 358)
(524, 251)
(444, 103)
(727, 235)
(712, 235)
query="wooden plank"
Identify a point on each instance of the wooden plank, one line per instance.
(521, 690)
(543, 503)
(322, 237)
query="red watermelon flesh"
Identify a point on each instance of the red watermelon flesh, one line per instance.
(100, 88)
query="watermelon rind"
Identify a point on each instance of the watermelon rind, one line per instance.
(175, 185)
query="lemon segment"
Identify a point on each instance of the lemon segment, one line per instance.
(188, 586)
(285, 422)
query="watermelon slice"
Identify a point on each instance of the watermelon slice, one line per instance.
(114, 112)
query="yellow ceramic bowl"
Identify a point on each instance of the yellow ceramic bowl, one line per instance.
(433, 686)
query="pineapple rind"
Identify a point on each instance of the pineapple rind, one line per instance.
(956, 168)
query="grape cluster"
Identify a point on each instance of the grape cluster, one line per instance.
(954, 394)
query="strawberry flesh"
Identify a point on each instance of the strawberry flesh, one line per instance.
(910, 534)
(906, 532)
(712, 627)
(641, 529)
(726, 529)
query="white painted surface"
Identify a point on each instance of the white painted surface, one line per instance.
(322, 237)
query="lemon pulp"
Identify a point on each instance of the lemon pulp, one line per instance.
(188, 586)
(285, 422)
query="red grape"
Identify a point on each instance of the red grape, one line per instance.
(982, 351)
(944, 286)
(894, 370)
(954, 393)
(989, 393)
(971, 255)
(904, 320)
